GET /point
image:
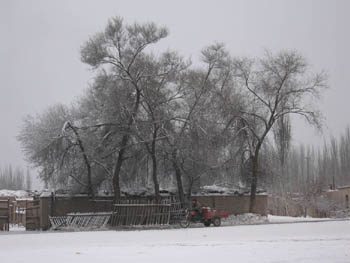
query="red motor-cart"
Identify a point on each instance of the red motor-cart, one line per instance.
(205, 215)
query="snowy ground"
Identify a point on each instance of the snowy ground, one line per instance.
(302, 242)
(289, 219)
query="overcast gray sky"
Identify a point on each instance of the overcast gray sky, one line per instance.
(40, 42)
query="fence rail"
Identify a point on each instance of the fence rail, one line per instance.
(89, 220)
(80, 220)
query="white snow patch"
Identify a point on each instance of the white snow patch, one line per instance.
(322, 242)
(46, 193)
(16, 227)
(244, 219)
(289, 219)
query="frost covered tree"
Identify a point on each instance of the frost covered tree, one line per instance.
(41, 141)
(55, 143)
(120, 51)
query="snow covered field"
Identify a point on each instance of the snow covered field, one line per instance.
(303, 242)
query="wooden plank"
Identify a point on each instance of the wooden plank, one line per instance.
(33, 207)
(132, 213)
(32, 215)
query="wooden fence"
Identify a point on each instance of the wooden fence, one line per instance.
(17, 212)
(129, 211)
(134, 212)
(32, 215)
(4, 215)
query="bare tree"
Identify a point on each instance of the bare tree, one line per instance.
(191, 123)
(275, 86)
(76, 140)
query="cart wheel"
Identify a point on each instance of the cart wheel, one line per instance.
(184, 223)
(207, 223)
(217, 221)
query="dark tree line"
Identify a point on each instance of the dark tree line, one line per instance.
(155, 119)
(15, 178)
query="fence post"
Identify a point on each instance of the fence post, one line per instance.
(8, 215)
(52, 207)
(25, 215)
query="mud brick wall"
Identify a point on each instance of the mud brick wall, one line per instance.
(235, 204)
(341, 196)
(61, 206)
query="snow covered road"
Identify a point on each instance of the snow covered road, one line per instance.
(327, 242)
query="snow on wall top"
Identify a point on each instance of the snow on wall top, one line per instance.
(225, 190)
(148, 191)
(343, 187)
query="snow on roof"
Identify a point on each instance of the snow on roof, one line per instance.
(45, 193)
(338, 188)
(218, 189)
(19, 194)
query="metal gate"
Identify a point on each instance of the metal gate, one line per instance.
(4, 215)
(133, 212)
(33, 215)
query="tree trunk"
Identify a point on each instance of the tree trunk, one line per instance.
(90, 189)
(190, 186)
(86, 161)
(154, 164)
(254, 183)
(155, 176)
(178, 178)
(117, 169)
(116, 182)
(124, 143)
